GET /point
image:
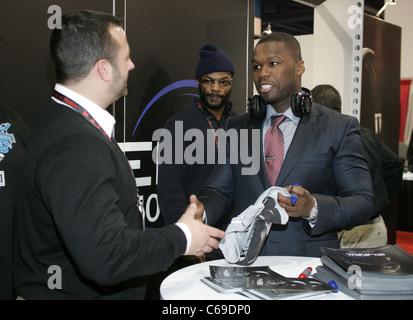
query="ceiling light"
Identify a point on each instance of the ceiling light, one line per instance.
(268, 30)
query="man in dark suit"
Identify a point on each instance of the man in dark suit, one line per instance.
(79, 232)
(322, 153)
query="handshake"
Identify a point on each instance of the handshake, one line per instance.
(204, 238)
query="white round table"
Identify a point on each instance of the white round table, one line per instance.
(186, 284)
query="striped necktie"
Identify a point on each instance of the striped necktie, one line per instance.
(274, 149)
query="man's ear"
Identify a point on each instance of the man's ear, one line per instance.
(104, 69)
(300, 68)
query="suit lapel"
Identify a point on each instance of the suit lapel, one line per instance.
(260, 166)
(306, 130)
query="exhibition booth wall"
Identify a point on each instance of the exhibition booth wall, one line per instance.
(165, 37)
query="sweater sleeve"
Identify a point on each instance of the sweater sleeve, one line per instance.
(81, 180)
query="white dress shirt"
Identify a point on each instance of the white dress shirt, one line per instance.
(102, 117)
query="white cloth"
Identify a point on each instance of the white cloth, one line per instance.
(407, 175)
(240, 232)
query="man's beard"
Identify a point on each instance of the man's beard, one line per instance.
(120, 84)
(204, 100)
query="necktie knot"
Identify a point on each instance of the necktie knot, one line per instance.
(276, 120)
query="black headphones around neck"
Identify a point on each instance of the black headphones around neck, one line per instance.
(300, 104)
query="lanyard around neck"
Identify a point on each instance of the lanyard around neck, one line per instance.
(79, 109)
(209, 121)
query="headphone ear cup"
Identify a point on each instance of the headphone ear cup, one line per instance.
(301, 103)
(256, 107)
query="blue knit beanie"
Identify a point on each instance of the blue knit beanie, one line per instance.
(213, 59)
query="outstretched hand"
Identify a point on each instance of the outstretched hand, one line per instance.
(199, 215)
(204, 237)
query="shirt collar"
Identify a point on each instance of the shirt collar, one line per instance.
(288, 113)
(104, 118)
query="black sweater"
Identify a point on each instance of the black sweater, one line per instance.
(77, 211)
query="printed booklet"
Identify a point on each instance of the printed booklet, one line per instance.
(262, 283)
(369, 273)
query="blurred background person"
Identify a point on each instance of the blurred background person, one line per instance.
(208, 112)
(14, 134)
(386, 171)
(410, 154)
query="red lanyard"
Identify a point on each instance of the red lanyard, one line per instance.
(209, 121)
(78, 108)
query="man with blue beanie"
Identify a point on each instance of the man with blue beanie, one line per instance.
(214, 73)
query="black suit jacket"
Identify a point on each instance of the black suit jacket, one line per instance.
(385, 167)
(325, 157)
(77, 210)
